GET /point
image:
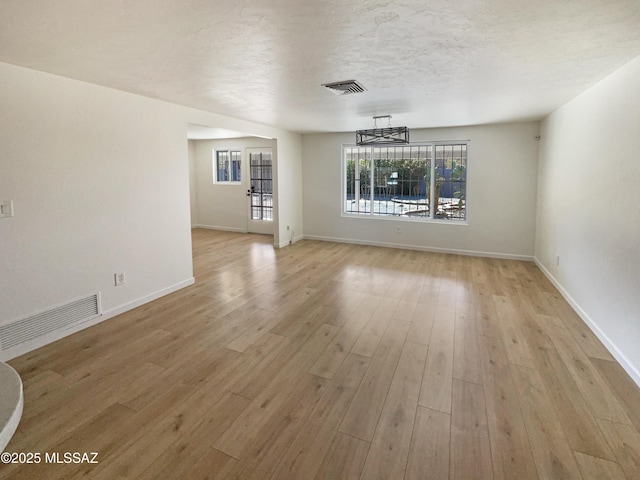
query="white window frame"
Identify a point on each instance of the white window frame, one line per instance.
(229, 151)
(385, 217)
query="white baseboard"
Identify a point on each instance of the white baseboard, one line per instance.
(215, 227)
(593, 326)
(105, 315)
(506, 256)
(286, 243)
(149, 298)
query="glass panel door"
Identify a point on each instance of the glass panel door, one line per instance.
(261, 189)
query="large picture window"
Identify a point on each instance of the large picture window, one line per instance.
(419, 181)
(227, 166)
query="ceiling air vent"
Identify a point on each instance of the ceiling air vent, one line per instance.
(344, 87)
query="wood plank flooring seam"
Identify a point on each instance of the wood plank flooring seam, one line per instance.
(184, 363)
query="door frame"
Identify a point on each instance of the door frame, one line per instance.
(265, 227)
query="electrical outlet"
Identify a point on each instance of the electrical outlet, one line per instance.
(558, 260)
(398, 230)
(119, 278)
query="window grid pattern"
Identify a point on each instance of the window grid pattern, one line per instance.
(228, 166)
(261, 166)
(406, 181)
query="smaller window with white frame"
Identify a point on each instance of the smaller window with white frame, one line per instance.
(227, 166)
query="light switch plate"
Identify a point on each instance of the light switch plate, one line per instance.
(6, 208)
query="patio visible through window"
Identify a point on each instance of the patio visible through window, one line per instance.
(420, 181)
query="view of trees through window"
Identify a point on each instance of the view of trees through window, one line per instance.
(421, 181)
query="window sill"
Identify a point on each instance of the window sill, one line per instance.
(398, 218)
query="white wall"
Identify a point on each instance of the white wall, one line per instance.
(289, 185)
(589, 208)
(100, 184)
(501, 194)
(99, 180)
(220, 205)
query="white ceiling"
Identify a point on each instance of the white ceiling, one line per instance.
(201, 132)
(427, 63)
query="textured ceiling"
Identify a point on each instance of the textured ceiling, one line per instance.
(200, 132)
(427, 63)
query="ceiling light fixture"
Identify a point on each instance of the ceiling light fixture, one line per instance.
(383, 136)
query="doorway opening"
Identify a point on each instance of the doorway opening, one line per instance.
(231, 180)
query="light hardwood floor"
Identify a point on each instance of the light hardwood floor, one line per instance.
(333, 361)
